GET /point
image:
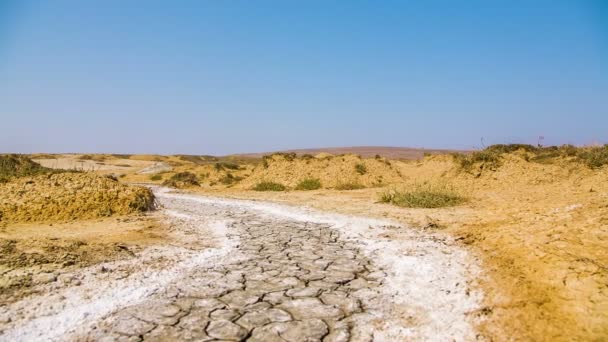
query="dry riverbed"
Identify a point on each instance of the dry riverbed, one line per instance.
(251, 270)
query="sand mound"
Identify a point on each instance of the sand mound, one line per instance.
(69, 196)
(331, 171)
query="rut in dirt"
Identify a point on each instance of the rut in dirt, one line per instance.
(285, 281)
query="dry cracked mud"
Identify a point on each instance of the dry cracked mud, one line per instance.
(289, 281)
(275, 279)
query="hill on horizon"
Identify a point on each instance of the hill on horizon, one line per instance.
(389, 152)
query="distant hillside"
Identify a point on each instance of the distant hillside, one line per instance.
(365, 151)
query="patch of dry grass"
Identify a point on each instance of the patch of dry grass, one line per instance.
(424, 196)
(269, 186)
(309, 184)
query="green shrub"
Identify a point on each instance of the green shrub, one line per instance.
(156, 177)
(361, 169)
(182, 179)
(349, 186)
(229, 179)
(309, 184)
(269, 186)
(424, 196)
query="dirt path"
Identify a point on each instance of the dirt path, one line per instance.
(275, 273)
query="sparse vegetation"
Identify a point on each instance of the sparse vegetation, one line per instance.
(15, 165)
(349, 186)
(230, 179)
(121, 156)
(424, 196)
(156, 177)
(309, 184)
(182, 179)
(491, 157)
(225, 165)
(361, 169)
(269, 186)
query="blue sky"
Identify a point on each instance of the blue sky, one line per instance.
(218, 77)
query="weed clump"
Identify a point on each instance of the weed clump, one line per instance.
(424, 196)
(269, 186)
(361, 169)
(182, 180)
(156, 177)
(309, 184)
(594, 157)
(230, 179)
(226, 165)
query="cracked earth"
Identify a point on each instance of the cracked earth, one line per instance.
(274, 273)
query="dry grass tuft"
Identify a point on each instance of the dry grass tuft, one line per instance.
(182, 180)
(269, 186)
(309, 184)
(424, 196)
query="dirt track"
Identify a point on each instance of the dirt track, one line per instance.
(275, 273)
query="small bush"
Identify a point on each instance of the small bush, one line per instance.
(594, 157)
(361, 169)
(229, 179)
(349, 186)
(182, 179)
(424, 196)
(309, 184)
(156, 177)
(86, 157)
(223, 165)
(269, 186)
(485, 158)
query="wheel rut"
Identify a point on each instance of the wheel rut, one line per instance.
(284, 281)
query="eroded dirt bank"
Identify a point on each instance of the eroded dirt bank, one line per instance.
(266, 272)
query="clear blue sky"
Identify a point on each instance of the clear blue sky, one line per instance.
(216, 77)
